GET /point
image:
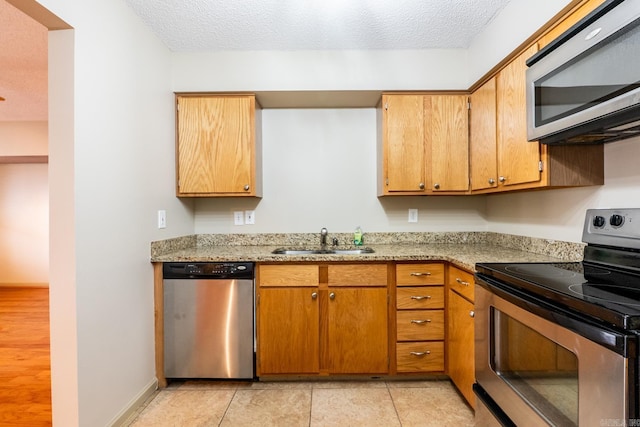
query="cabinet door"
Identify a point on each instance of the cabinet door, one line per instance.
(447, 132)
(216, 145)
(403, 127)
(460, 353)
(582, 11)
(482, 137)
(518, 159)
(289, 332)
(357, 330)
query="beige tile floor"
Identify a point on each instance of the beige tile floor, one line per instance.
(314, 404)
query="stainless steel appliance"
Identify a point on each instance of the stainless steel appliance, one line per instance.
(557, 343)
(584, 87)
(208, 320)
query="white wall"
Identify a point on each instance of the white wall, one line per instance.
(320, 171)
(559, 214)
(24, 205)
(112, 144)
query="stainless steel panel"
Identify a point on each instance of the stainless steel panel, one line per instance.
(602, 374)
(208, 328)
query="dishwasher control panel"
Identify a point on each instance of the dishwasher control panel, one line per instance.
(210, 270)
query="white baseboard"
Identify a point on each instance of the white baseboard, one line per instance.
(126, 416)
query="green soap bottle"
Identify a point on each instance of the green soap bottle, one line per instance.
(357, 237)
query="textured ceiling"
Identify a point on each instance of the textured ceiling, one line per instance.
(205, 25)
(23, 66)
(209, 25)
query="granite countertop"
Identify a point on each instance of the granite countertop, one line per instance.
(463, 255)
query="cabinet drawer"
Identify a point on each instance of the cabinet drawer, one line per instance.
(462, 282)
(420, 356)
(420, 325)
(420, 274)
(420, 297)
(288, 275)
(357, 275)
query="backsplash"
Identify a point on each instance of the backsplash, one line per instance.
(560, 249)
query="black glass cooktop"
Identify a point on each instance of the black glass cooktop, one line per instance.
(605, 294)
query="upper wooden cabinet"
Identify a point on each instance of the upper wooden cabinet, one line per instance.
(218, 147)
(501, 157)
(422, 144)
(579, 12)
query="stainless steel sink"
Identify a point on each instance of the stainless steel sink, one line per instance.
(322, 251)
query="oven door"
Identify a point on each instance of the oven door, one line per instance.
(539, 371)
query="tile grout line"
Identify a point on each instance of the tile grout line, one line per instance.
(386, 383)
(235, 391)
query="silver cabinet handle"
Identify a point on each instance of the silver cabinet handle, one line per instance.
(436, 186)
(420, 274)
(472, 313)
(502, 179)
(420, 297)
(492, 181)
(246, 187)
(420, 322)
(419, 353)
(332, 295)
(462, 282)
(314, 295)
(421, 186)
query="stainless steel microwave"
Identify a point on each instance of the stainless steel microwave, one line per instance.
(584, 87)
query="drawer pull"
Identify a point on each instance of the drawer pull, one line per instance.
(462, 282)
(420, 353)
(420, 322)
(420, 274)
(420, 297)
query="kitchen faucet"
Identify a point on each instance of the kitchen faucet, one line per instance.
(323, 236)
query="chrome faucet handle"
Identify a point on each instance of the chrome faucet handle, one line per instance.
(323, 236)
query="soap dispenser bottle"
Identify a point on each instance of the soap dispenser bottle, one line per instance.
(357, 237)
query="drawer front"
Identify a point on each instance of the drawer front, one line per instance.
(420, 297)
(357, 275)
(419, 274)
(420, 356)
(420, 325)
(462, 282)
(288, 275)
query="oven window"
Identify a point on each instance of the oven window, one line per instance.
(542, 372)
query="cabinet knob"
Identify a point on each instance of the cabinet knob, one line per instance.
(492, 181)
(472, 313)
(502, 179)
(332, 295)
(314, 295)
(436, 186)
(246, 187)
(462, 282)
(421, 186)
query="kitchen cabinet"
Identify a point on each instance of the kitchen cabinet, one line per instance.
(218, 147)
(460, 331)
(501, 157)
(579, 12)
(423, 144)
(420, 319)
(322, 319)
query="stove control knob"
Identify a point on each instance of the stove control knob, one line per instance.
(598, 221)
(616, 220)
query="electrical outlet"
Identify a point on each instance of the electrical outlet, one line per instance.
(413, 215)
(238, 218)
(250, 217)
(162, 219)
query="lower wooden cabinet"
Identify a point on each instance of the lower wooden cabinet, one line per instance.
(420, 318)
(460, 332)
(322, 319)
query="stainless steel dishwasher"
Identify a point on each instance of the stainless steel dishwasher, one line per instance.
(208, 320)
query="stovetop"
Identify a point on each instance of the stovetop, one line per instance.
(602, 293)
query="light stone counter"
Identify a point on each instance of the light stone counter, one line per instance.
(461, 249)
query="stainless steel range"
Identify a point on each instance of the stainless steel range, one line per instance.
(557, 343)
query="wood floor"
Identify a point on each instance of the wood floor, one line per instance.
(25, 368)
